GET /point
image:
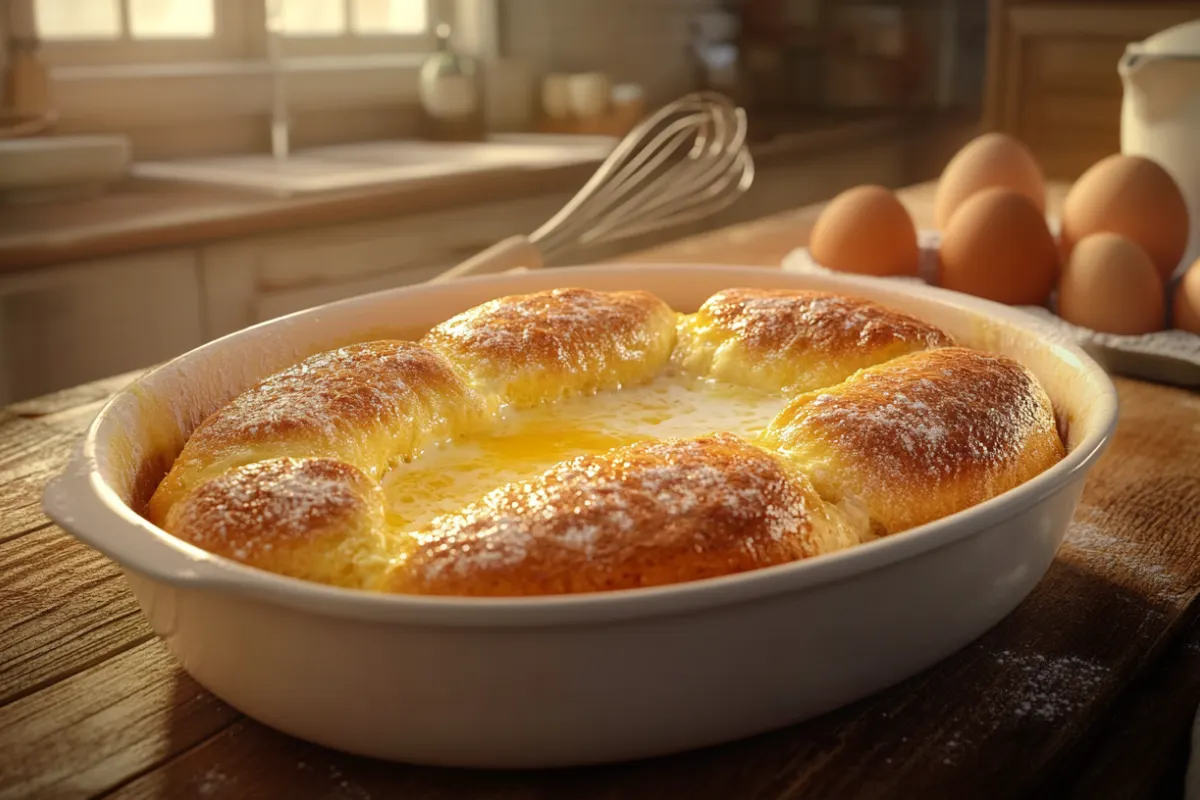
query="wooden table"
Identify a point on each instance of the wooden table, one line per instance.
(1087, 690)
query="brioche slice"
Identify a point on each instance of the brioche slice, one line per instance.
(643, 515)
(317, 519)
(795, 341)
(921, 437)
(535, 348)
(368, 404)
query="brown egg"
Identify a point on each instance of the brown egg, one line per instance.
(1187, 300)
(1132, 196)
(868, 231)
(994, 160)
(999, 247)
(1109, 284)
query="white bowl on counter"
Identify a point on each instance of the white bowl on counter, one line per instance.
(551, 681)
(47, 168)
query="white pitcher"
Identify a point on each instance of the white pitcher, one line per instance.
(1160, 116)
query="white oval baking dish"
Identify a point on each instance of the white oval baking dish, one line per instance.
(536, 682)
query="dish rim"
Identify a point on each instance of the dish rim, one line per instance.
(81, 502)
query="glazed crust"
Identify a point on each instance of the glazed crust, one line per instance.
(369, 404)
(534, 348)
(287, 476)
(923, 436)
(642, 515)
(795, 341)
(318, 519)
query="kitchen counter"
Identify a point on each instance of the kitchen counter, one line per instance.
(1085, 691)
(141, 214)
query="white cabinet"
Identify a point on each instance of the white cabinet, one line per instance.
(63, 326)
(68, 325)
(253, 280)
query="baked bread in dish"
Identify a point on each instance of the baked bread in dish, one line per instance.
(649, 513)
(577, 441)
(921, 437)
(794, 341)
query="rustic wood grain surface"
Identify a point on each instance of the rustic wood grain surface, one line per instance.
(1086, 690)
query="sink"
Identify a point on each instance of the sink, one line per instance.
(44, 168)
(370, 163)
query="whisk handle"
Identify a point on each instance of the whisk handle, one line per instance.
(515, 252)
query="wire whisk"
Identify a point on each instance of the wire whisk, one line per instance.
(687, 161)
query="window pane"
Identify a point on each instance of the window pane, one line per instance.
(313, 17)
(390, 16)
(177, 19)
(77, 19)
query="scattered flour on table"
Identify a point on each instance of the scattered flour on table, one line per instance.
(1034, 690)
(348, 789)
(1049, 688)
(1089, 544)
(213, 783)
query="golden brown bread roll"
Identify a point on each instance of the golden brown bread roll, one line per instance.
(367, 404)
(533, 348)
(316, 518)
(641, 515)
(921, 437)
(794, 341)
(287, 477)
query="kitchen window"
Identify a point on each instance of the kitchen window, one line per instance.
(194, 77)
(108, 32)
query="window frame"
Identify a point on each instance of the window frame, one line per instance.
(234, 37)
(239, 33)
(351, 43)
(166, 96)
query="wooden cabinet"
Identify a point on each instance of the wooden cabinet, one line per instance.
(252, 280)
(1052, 74)
(64, 326)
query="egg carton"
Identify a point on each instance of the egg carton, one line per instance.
(1169, 357)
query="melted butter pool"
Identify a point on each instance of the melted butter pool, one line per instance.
(526, 442)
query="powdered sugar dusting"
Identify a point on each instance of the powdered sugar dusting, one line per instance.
(213, 783)
(251, 510)
(795, 341)
(346, 394)
(581, 335)
(781, 323)
(1030, 689)
(584, 494)
(510, 323)
(718, 499)
(1049, 688)
(929, 413)
(1092, 541)
(303, 394)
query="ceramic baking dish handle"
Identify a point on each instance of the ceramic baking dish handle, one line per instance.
(81, 502)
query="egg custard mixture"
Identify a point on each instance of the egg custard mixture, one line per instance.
(528, 441)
